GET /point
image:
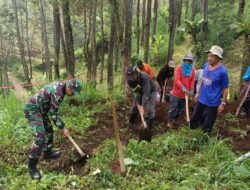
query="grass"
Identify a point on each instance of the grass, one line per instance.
(182, 159)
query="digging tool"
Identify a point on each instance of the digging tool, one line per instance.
(242, 101)
(242, 158)
(117, 136)
(79, 150)
(144, 133)
(187, 110)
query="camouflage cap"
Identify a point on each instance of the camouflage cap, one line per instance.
(75, 85)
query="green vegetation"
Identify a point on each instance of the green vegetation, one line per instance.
(182, 159)
(177, 159)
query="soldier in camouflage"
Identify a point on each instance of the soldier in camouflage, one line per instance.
(37, 111)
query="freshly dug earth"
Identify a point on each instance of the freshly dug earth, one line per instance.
(95, 135)
(228, 127)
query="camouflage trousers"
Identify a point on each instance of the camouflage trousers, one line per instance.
(42, 133)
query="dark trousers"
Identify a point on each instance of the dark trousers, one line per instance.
(204, 116)
(176, 107)
(149, 111)
(245, 106)
(195, 87)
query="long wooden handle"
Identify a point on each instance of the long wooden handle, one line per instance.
(117, 136)
(242, 101)
(76, 146)
(187, 109)
(142, 119)
(164, 91)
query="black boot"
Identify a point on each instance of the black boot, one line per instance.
(148, 136)
(150, 123)
(51, 154)
(34, 173)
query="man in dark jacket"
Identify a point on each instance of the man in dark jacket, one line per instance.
(45, 103)
(144, 93)
(164, 76)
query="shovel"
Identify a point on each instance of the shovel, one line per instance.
(145, 133)
(242, 101)
(164, 92)
(187, 110)
(79, 150)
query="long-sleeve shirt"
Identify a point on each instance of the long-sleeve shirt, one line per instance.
(165, 73)
(145, 89)
(181, 81)
(47, 101)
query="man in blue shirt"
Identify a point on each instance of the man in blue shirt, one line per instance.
(214, 85)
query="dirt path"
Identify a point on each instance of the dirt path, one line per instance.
(20, 91)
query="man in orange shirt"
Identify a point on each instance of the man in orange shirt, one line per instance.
(145, 68)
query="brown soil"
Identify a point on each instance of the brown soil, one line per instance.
(115, 167)
(96, 134)
(237, 129)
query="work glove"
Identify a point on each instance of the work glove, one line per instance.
(183, 89)
(190, 92)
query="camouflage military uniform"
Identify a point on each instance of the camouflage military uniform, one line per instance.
(45, 103)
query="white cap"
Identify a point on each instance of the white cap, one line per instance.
(216, 50)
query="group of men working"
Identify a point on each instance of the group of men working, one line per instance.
(211, 95)
(210, 91)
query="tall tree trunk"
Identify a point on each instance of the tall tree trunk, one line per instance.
(69, 44)
(138, 27)
(111, 52)
(30, 47)
(194, 9)
(4, 81)
(45, 40)
(85, 44)
(128, 40)
(89, 56)
(20, 44)
(1, 57)
(147, 31)
(179, 7)
(27, 36)
(187, 5)
(204, 13)
(115, 7)
(56, 16)
(63, 48)
(143, 21)
(155, 20)
(93, 42)
(241, 7)
(5, 78)
(117, 54)
(172, 27)
(102, 41)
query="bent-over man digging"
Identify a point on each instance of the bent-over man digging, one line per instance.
(42, 105)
